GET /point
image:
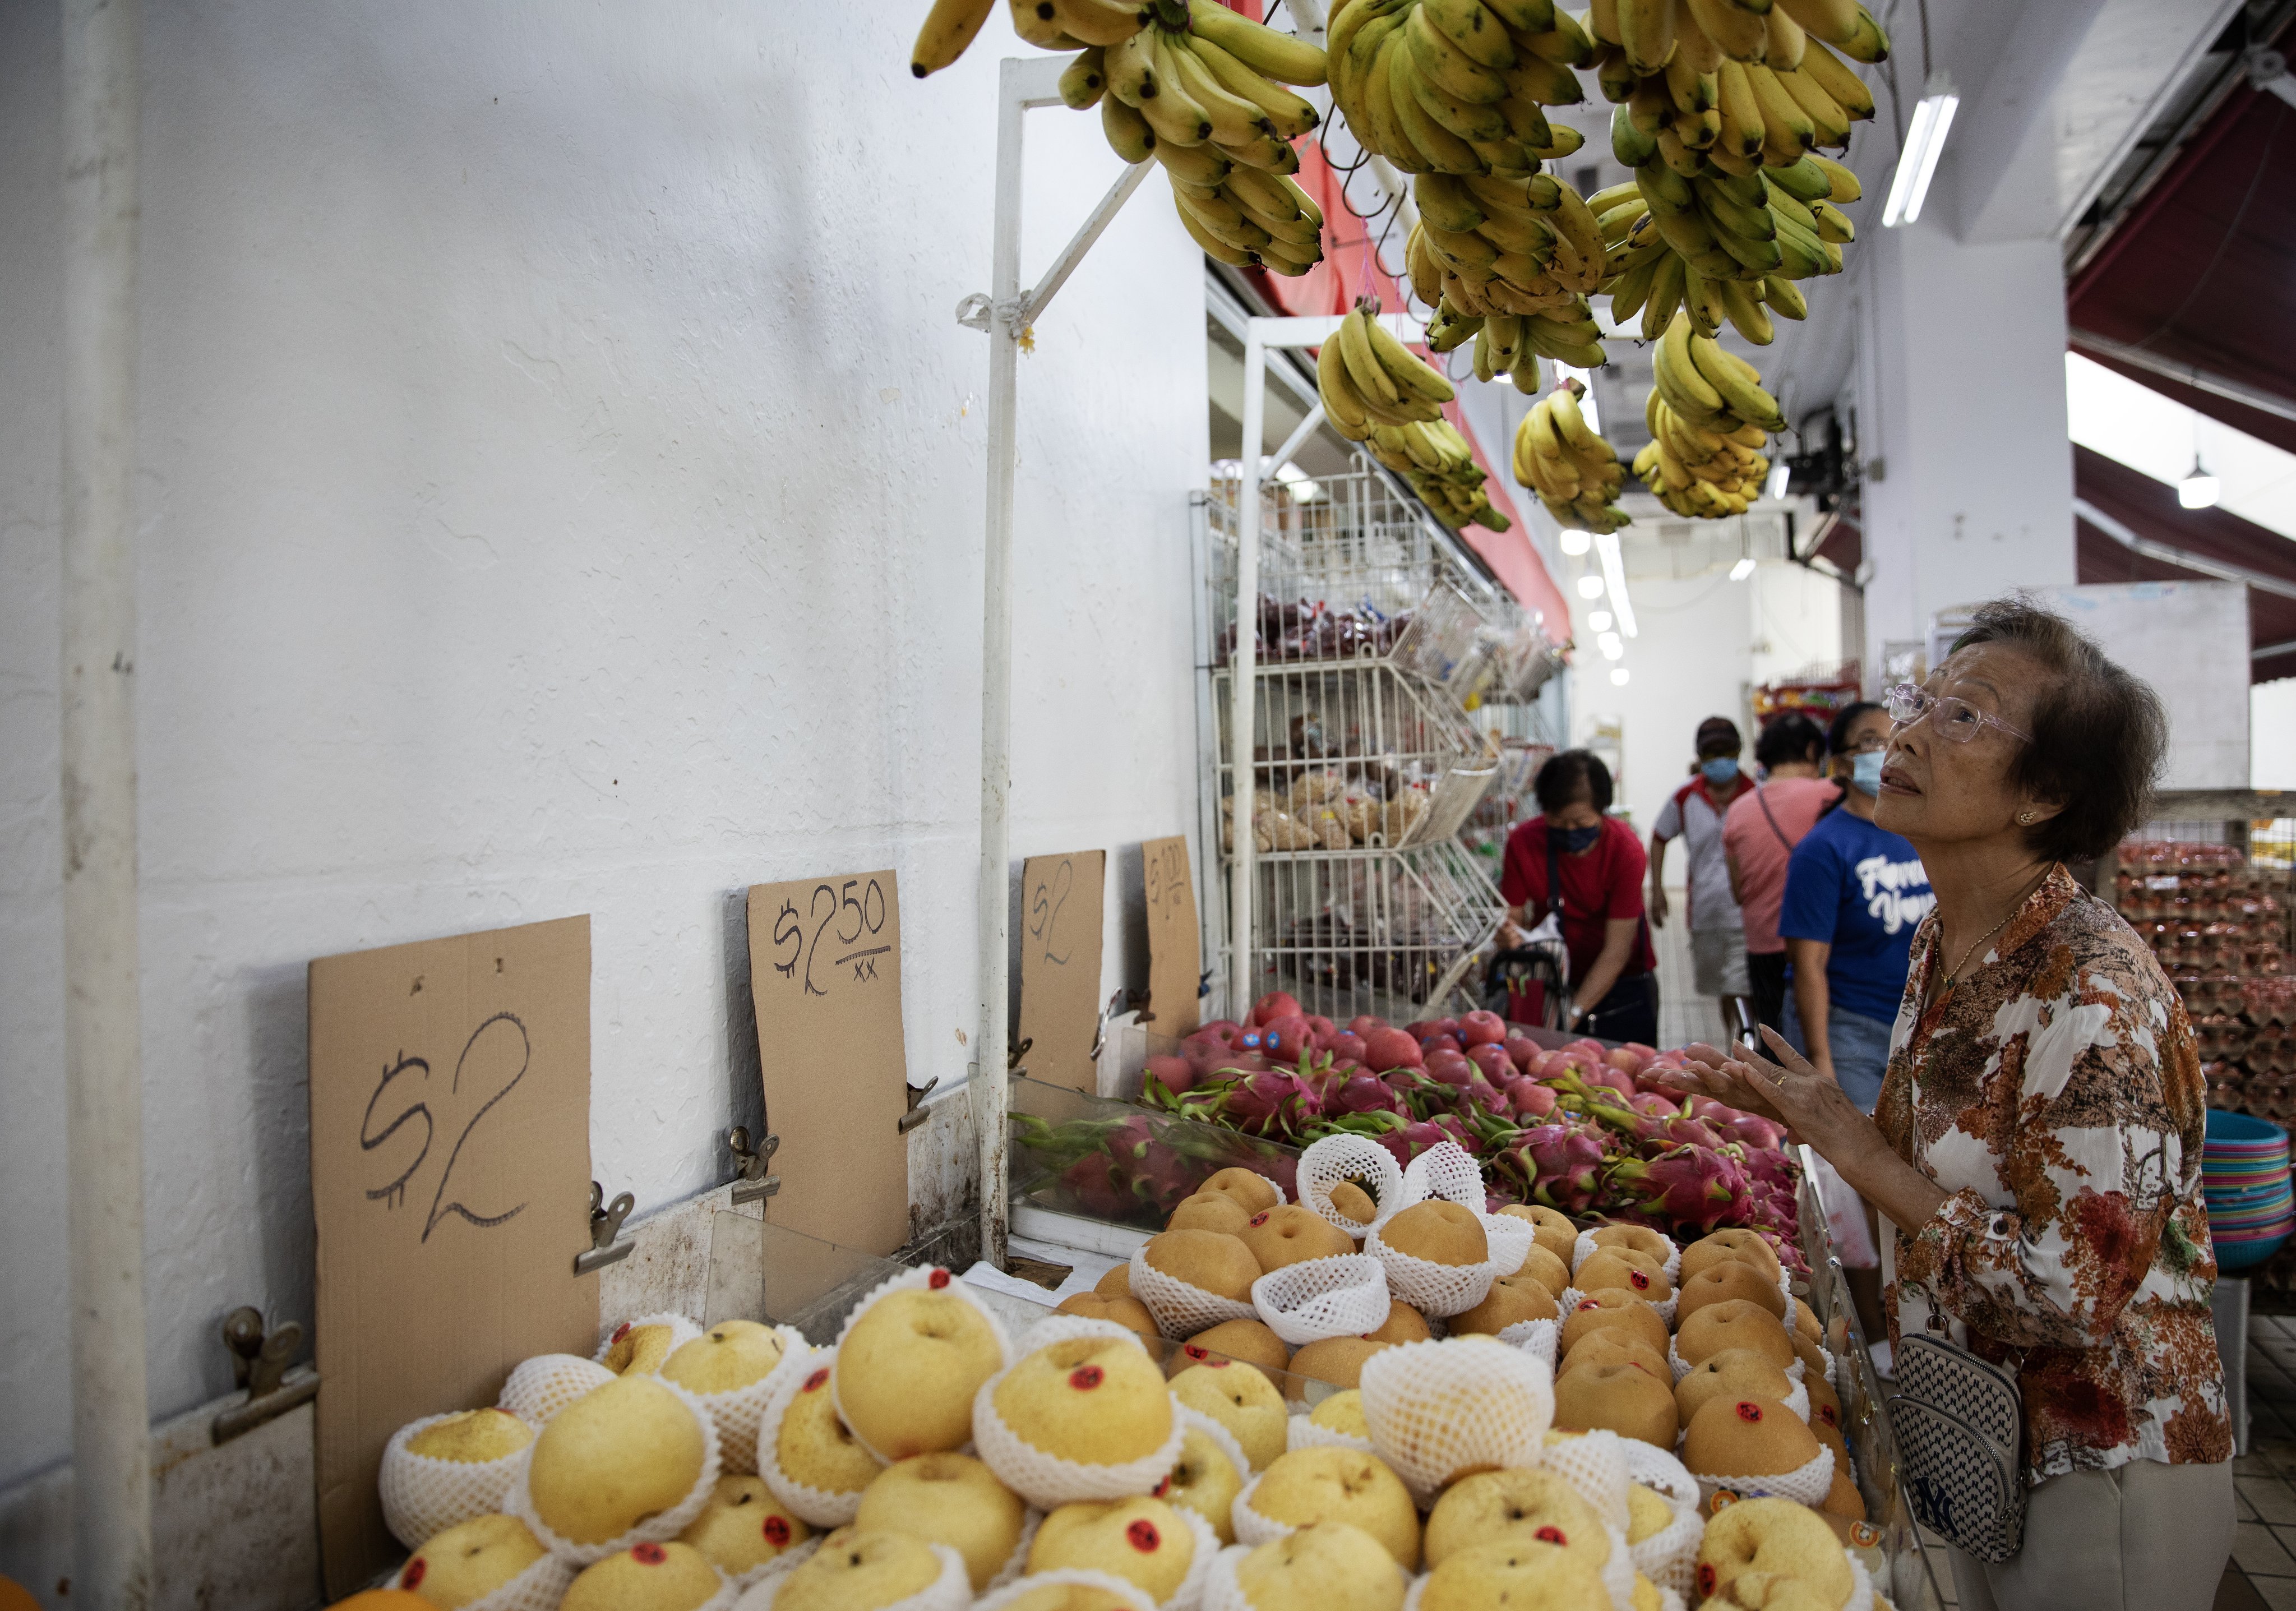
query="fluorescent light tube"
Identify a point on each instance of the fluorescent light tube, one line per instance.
(1739, 571)
(1614, 575)
(1924, 144)
(1575, 542)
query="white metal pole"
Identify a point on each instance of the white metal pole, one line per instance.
(104, 1072)
(1242, 663)
(990, 1089)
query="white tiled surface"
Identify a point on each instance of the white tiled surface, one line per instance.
(1683, 1016)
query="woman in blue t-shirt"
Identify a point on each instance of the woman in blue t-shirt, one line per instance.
(1854, 895)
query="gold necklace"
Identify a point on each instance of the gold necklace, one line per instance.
(2015, 907)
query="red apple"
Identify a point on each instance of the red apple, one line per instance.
(1419, 1029)
(1347, 1046)
(1321, 1024)
(1482, 1029)
(1523, 1051)
(1529, 1097)
(1497, 1065)
(1386, 1048)
(1282, 1038)
(1275, 1004)
(1175, 1074)
(1452, 1068)
(1621, 1059)
(1362, 1023)
(1440, 1043)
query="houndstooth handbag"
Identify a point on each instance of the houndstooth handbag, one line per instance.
(1960, 1425)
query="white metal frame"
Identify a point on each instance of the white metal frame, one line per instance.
(1007, 313)
(1261, 336)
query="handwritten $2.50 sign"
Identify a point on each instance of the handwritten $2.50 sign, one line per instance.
(450, 1178)
(825, 974)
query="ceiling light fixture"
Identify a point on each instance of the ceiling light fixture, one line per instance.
(1614, 573)
(1612, 648)
(1780, 478)
(1590, 585)
(2199, 489)
(1598, 620)
(1924, 144)
(1575, 542)
(1743, 569)
(1617, 676)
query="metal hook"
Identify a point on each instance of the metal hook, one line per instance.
(753, 1183)
(608, 1245)
(259, 1363)
(917, 1113)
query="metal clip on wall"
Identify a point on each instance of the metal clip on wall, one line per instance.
(753, 1184)
(1013, 1067)
(918, 1113)
(259, 1363)
(608, 1245)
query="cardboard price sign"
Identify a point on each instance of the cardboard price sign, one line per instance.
(825, 974)
(1059, 966)
(450, 1178)
(1175, 941)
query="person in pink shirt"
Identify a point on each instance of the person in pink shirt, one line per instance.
(1758, 835)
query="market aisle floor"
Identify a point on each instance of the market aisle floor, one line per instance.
(1683, 1016)
(2263, 1570)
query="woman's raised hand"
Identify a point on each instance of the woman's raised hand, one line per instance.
(1721, 1075)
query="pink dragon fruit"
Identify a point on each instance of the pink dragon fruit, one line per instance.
(1564, 1165)
(1759, 1134)
(1408, 1142)
(1091, 1180)
(1367, 1094)
(1688, 1186)
(1651, 1104)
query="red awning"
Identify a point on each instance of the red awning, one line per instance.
(2149, 509)
(2199, 273)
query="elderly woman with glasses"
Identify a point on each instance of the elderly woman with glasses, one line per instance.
(2038, 1143)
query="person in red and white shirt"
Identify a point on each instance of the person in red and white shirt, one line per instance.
(1717, 933)
(1597, 864)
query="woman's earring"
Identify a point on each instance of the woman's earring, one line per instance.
(2026, 817)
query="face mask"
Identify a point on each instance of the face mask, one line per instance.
(1571, 841)
(1719, 772)
(1865, 771)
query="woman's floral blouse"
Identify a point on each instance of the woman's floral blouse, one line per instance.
(2056, 1092)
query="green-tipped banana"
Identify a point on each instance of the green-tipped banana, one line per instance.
(1278, 55)
(1128, 131)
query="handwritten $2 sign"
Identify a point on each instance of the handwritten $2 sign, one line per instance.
(450, 1177)
(825, 974)
(1060, 965)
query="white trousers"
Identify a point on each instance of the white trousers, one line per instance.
(2145, 1536)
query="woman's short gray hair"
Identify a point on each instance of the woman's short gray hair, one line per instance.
(2099, 732)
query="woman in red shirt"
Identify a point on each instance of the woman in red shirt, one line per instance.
(1598, 863)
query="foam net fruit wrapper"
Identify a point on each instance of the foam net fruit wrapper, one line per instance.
(1017, 1563)
(1669, 1558)
(540, 1587)
(682, 1331)
(1540, 1339)
(931, 1278)
(1301, 1433)
(788, 1560)
(1445, 1170)
(1617, 1573)
(1046, 1481)
(1595, 1465)
(1126, 1594)
(1437, 1408)
(818, 1506)
(663, 1524)
(1190, 1595)
(423, 1496)
(739, 1411)
(1570, 1297)
(1510, 1239)
(1182, 1309)
(1196, 1421)
(1808, 1484)
(1795, 1371)
(952, 1590)
(545, 1385)
(1343, 1296)
(1343, 1157)
(1431, 1288)
(1252, 1527)
(1221, 1592)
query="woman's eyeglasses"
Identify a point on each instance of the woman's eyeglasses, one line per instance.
(1949, 718)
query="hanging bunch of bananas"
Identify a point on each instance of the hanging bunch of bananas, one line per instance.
(1709, 419)
(1719, 106)
(1508, 262)
(1193, 84)
(1674, 244)
(1457, 86)
(1435, 459)
(1575, 473)
(1377, 391)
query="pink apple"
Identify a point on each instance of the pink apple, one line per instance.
(1482, 1029)
(1386, 1048)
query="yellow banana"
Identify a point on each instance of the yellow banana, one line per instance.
(1868, 42)
(1235, 120)
(1472, 121)
(949, 27)
(1128, 134)
(1373, 383)
(1213, 245)
(1280, 56)
(1787, 43)
(1443, 149)
(1405, 368)
(1685, 390)
(1646, 33)
(1290, 115)
(1434, 53)
(1175, 115)
(1094, 21)
(1034, 22)
(1131, 69)
(1829, 122)
(1084, 80)
(1342, 405)
(1782, 115)
(1741, 108)
(1741, 35)
(1665, 296)
(1831, 74)
(1783, 297)
(1846, 187)
(1834, 19)
(1746, 313)
(1832, 224)
(1701, 303)
(1202, 166)
(1479, 36)
(1737, 383)
(1696, 43)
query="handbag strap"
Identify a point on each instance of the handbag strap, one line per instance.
(1761, 798)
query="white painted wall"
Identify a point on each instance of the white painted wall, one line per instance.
(1961, 397)
(562, 493)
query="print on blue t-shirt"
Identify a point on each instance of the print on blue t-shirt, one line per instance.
(1861, 890)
